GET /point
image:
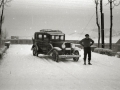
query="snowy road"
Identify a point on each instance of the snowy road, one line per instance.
(20, 70)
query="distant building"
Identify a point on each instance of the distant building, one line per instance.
(118, 42)
(14, 37)
(118, 45)
(115, 46)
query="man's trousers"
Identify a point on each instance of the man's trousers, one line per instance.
(87, 50)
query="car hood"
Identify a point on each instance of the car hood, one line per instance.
(57, 43)
(60, 43)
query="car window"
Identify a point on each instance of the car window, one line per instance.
(57, 37)
(53, 37)
(45, 36)
(39, 36)
(61, 38)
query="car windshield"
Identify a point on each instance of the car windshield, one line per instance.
(57, 37)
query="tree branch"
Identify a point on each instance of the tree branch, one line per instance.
(108, 1)
(1, 3)
(97, 2)
(116, 4)
(107, 4)
(4, 2)
(7, 1)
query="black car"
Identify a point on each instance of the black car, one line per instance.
(52, 43)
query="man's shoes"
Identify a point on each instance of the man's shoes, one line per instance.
(89, 64)
(84, 63)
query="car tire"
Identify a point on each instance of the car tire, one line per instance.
(55, 56)
(35, 53)
(76, 58)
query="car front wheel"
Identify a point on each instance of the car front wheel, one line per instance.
(55, 56)
(35, 53)
(76, 58)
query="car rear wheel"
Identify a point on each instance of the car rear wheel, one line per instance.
(55, 56)
(76, 58)
(35, 53)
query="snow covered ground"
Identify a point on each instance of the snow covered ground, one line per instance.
(20, 70)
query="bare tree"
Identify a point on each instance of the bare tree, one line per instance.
(2, 5)
(4, 34)
(1, 18)
(112, 5)
(97, 21)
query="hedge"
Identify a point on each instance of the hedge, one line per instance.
(118, 54)
(104, 51)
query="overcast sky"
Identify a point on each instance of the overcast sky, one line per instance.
(24, 17)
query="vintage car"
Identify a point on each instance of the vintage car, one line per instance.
(52, 43)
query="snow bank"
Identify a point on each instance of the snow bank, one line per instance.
(2, 50)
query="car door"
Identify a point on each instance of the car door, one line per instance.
(46, 40)
(39, 41)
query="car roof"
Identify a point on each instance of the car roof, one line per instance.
(50, 32)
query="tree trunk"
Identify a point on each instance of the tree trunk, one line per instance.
(1, 20)
(111, 24)
(98, 24)
(102, 24)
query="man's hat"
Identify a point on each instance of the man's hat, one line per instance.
(86, 34)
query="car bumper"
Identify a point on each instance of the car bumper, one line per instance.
(69, 56)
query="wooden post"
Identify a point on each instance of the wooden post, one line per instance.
(111, 18)
(102, 24)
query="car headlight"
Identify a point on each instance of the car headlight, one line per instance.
(63, 45)
(73, 45)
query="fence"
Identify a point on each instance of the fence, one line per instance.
(18, 41)
(28, 41)
(115, 47)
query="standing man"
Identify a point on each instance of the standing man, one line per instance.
(86, 43)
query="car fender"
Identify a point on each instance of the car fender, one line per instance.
(34, 46)
(57, 48)
(76, 49)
